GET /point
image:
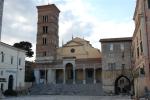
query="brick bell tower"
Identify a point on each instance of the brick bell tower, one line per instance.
(47, 33)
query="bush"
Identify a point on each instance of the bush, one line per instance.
(29, 78)
(10, 92)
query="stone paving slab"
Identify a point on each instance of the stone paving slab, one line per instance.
(65, 97)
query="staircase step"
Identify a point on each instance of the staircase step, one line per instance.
(67, 89)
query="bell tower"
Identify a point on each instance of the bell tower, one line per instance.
(47, 33)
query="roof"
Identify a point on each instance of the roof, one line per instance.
(116, 39)
(12, 46)
(48, 6)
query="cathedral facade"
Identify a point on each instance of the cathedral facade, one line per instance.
(75, 62)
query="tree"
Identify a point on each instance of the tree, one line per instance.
(25, 46)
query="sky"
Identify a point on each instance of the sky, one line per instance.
(89, 19)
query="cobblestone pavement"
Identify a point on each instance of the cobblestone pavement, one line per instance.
(65, 97)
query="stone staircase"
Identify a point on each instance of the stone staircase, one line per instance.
(67, 89)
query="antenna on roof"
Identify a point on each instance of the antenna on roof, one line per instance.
(48, 2)
(72, 36)
(62, 42)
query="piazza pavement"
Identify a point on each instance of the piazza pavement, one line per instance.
(65, 97)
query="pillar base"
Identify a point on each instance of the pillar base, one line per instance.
(64, 82)
(54, 82)
(94, 81)
(74, 82)
(45, 82)
(84, 81)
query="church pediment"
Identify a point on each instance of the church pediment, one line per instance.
(73, 43)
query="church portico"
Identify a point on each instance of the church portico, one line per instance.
(79, 74)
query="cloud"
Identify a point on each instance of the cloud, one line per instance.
(20, 22)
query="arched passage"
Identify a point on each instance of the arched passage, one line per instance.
(69, 69)
(122, 84)
(10, 82)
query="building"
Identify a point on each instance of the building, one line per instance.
(12, 67)
(116, 64)
(75, 62)
(1, 15)
(141, 47)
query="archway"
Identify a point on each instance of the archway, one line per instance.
(69, 69)
(122, 84)
(10, 82)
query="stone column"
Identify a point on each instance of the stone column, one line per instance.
(54, 76)
(37, 76)
(94, 75)
(84, 81)
(64, 82)
(49, 76)
(74, 76)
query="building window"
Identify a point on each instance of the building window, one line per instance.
(112, 66)
(111, 46)
(148, 3)
(122, 54)
(19, 61)
(11, 60)
(2, 73)
(46, 29)
(44, 53)
(122, 81)
(122, 46)
(111, 55)
(2, 57)
(123, 66)
(2, 86)
(44, 41)
(137, 51)
(141, 46)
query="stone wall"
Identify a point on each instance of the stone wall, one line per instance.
(109, 76)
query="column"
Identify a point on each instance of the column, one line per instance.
(54, 76)
(84, 81)
(37, 76)
(45, 77)
(64, 82)
(94, 75)
(74, 76)
(49, 76)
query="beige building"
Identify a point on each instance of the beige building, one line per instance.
(141, 47)
(75, 62)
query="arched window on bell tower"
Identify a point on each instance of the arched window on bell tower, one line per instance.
(45, 18)
(46, 29)
(43, 29)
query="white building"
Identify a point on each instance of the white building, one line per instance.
(12, 67)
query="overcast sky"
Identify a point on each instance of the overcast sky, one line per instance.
(91, 19)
